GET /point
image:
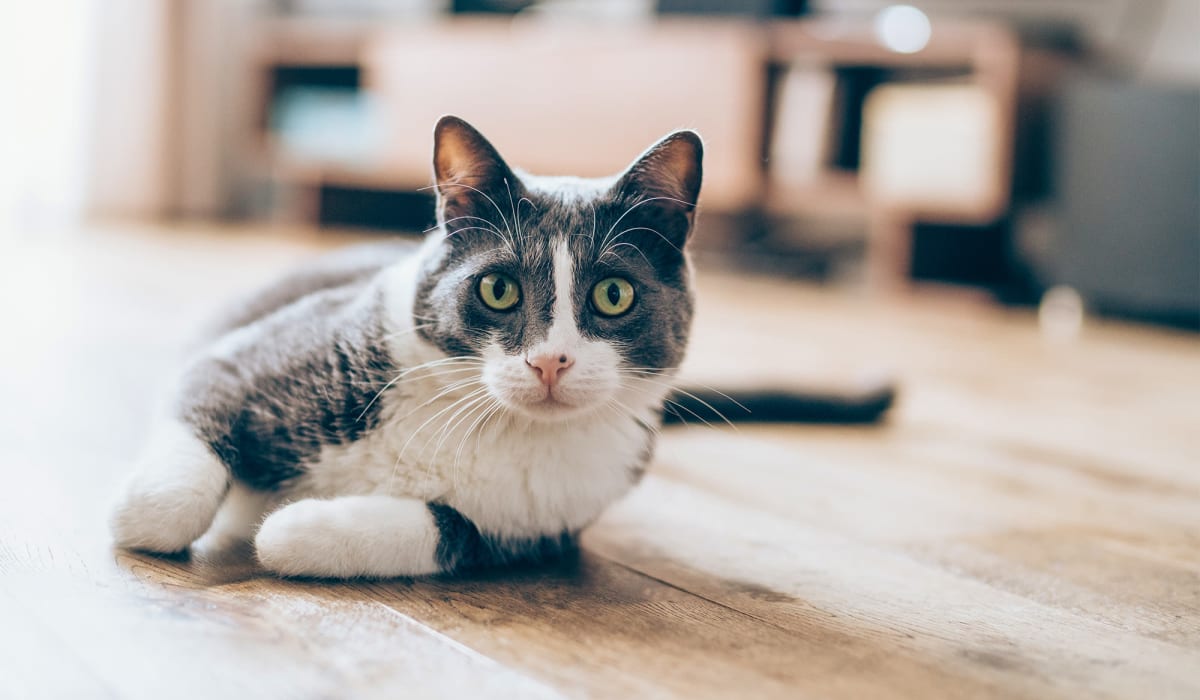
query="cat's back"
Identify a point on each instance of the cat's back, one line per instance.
(295, 368)
(346, 268)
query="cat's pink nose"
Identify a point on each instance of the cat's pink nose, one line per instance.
(550, 368)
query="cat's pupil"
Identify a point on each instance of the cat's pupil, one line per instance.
(613, 293)
(498, 288)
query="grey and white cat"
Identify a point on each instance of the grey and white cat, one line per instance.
(473, 401)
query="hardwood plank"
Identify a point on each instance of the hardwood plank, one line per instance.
(601, 629)
(162, 628)
(1149, 586)
(898, 486)
(375, 648)
(1054, 526)
(778, 570)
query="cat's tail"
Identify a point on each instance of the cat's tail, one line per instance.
(862, 405)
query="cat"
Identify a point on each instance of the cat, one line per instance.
(472, 401)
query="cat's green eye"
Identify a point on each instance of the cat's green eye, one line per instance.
(612, 296)
(499, 292)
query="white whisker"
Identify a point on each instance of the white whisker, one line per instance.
(637, 204)
(452, 423)
(499, 211)
(447, 222)
(435, 416)
(643, 228)
(687, 394)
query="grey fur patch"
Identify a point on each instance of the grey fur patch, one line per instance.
(306, 378)
(462, 547)
(345, 267)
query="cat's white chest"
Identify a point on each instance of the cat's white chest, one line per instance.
(510, 476)
(544, 479)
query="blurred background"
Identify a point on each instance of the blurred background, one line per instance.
(998, 148)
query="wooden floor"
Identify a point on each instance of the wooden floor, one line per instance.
(1027, 525)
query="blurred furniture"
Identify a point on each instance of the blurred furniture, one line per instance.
(575, 99)
(816, 118)
(570, 98)
(746, 8)
(928, 137)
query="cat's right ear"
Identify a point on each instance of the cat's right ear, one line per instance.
(468, 170)
(664, 185)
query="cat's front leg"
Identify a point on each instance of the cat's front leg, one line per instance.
(173, 494)
(384, 536)
(379, 536)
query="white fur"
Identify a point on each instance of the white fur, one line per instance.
(564, 333)
(568, 188)
(173, 494)
(350, 536)
(514, 476)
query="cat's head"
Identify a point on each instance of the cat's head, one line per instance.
(570, 294)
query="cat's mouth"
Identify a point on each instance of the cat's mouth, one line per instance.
(552, 403)
(550, 406)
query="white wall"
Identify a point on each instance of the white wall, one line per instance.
(82, 127)
(127, 165)
(43, 118)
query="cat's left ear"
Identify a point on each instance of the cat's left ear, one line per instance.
(469, 171)
(666, 179)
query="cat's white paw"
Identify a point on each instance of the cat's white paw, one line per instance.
(172, 496)
(350, 536)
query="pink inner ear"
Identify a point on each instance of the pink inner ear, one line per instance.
(452, 158)
(671, 168)
(463, 156)
(458, 160)
(676, 164)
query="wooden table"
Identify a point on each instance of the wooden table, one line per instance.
(1027, 524)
